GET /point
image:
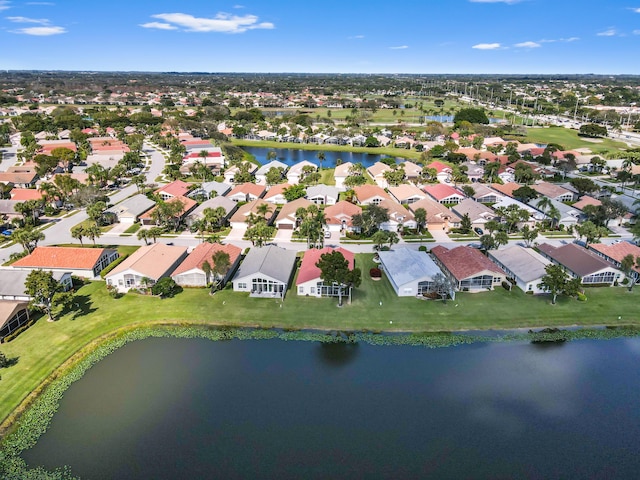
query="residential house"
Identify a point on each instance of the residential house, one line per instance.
(12, 283)
(555, 192)
(399, 217)
(309, 283)
(341, 173)
(443, 171)
(210, 190)
(484, 194)
(412, 171)
(295, 173)
(339, 216)
(323, 194)
(584, 264)
(370, 194)
(8, 210)
(586, 200)
(569, 216)
(230, 173)
(146, 266)
(479, 213)
(177, 188)
(188, 204)
(474, 171)
(377, 171)
(25, 194)
(81, 262)
(129, 210)
(197, 213)
(506, 188)
(261, 173)
(443, 193)
(536, 216)
(407, 194)
(409, 271)
(265, 272)
(191, 273)
(615, 252)
(239, 218)
(275, 194)
(24, 178)
(525, 266)
(468, 268)
(439, 217)
(246, 192)
(13, 314)
(287, 219)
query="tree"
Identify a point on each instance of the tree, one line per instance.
(166, 287)
(213, 217)
(92, 232)
(487, 242)
(525, 194)
(554, 280)
(511, 215)
(321, 157)
(206, 268)
(260, 233)
(590, 231)
(334, 270)
(45, 292)
(583, 185)
(395, 176)
(379, 239)
(420, 216)
(311, 226)
(491, 170)
(78, 232)
(95, 212)
(627, 265)
(28, 237)
(370, 219)
(529, 234)
(143, 235)
(221, 265)
(472, 115)
(442, 286)
(294, 192)
(468, 190)
(593, 130)
(274, 176)
(465, 223)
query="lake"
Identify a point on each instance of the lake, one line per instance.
(192, 408)
(292, 156)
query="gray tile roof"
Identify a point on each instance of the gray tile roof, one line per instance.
(272, 261)
(404, 265)
(575, 258)
(475, 210)
(322, 190)
(135, 206)
(524, 263)
(224, 202)
(12, 281)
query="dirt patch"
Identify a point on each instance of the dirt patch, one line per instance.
(592, 140)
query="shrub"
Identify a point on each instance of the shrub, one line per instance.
(375, 273)
(422, 248)
(112, 265)
(581, 297)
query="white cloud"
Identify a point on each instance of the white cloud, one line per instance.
(40, 31)
(400, 47)
(355, 37)
(159, 26)
(508, 2)
(238, 6)
(487, 46)
(527, 45)
(48, 4)
(40, 21)
(4, 5)
(553, 40)
(222, 22)
(611, 32)
(636, 32)
(636, 10)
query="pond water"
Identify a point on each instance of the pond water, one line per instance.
(291, 156)
(187, 408)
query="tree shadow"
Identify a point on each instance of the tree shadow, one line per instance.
(80, 306)
(9, 362)
(337, 354)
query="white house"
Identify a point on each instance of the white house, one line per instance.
(295, 173)
(261, 173)
(309, 282)
(323, 194)
(191, 273)
(265, 272)
(410, 272)
(524, 265)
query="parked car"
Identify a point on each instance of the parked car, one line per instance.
(478, 231)
(7, 233)
(327, 234)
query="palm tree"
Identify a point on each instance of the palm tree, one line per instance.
(93, 232)
(420, 216)
(321, 157)
(263, 209)
(143, 235)
(78, 233)
(221, 265)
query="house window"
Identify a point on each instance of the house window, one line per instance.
(313, 290)
(300, 289)
(242, 286)
(530, 287)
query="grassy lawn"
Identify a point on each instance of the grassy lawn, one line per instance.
(569, 139)
(45, 346)
(133, 228)
(326, 176)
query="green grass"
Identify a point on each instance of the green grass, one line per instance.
(570, 140)
(45, 346)
(326, 176)
(133, 228)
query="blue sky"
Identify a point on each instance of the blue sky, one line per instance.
(412, 36)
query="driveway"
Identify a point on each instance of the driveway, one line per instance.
(440, 236)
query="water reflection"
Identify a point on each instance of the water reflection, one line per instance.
(337, 354)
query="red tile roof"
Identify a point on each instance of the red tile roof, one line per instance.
(247, 188)
(464, 262)
(176, 188)
(309, 271)
(617, 251)
(440, 167)
(366, 192)
(343, 209)
(24, 194)
(204, 252)
(188, 204)
(61, 257)
(441, 191)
